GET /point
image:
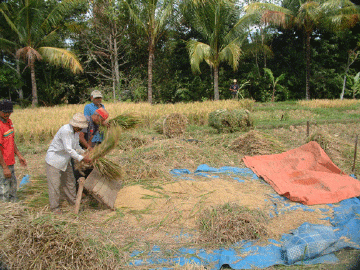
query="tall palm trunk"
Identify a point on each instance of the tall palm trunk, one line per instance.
(308, 38)
(216, 82)
(150, 68)
(18, 74)
(33, 83)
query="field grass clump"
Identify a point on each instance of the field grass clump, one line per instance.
(230, 120)
(230, 223)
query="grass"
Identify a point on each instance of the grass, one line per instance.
(146, 158)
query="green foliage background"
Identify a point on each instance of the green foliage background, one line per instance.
(173, 80)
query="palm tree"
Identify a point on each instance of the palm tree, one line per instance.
(34, 24)
(333, 15)
(218, 23)
(151, 17)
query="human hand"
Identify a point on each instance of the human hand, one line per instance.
(87, 159)
(106, 124)
(7, 172)
(22, 161)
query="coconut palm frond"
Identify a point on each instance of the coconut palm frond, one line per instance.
(61, 57)
(231, 54)
(28, 54)
(198, 52)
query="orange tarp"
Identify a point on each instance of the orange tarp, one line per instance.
(305, 174)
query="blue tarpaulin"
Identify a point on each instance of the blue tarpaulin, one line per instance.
(308, 244)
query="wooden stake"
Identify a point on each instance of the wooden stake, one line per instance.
(79, 194)
(356, 140)
(307, 129)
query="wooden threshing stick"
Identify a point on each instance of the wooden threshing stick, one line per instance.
(79, 194)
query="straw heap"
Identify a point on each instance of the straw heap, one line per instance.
(172, 125)
(230, 121)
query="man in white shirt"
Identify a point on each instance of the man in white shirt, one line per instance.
(63, 147)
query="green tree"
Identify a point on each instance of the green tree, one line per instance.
(333, 15)
(222, 32)
(353, 55)
(152, 17)
(356, 86)
(274, 82)
(35, 24)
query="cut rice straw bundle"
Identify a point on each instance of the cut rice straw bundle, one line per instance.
(106, 167)
(110, 141)
(126, 121)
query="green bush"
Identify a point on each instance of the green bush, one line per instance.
(230, 121)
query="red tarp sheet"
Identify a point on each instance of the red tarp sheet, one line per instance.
(305, 174)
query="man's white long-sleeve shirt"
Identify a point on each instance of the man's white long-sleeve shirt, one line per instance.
(64, 146)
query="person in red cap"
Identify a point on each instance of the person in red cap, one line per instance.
(8, 150)
(87, 134)
(89, 109)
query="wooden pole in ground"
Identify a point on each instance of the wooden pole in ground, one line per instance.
(79, 194)
(356, 141)
(307, 129)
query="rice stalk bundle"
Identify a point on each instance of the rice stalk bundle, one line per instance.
(230, 121)
(106, 167)
(172, 125)
(126, 121)
(109, 142)
(175, 125)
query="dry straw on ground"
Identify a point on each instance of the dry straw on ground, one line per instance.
(231, 223)
(176, 208)
(331, 145)
(33, 240)
(256, 143)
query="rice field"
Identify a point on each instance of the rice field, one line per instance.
(41, 124)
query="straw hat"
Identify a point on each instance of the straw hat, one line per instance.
(96, 94)
(79, 121)
(235, 80)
